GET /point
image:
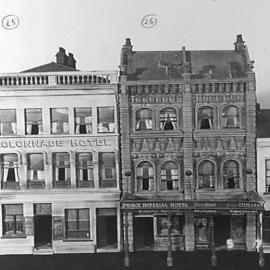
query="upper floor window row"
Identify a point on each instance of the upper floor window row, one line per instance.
(167, 119)
(59, 121)
(207, 117)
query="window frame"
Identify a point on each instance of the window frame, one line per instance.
(104, 168)
(138, 121)
(78, 225)
(174, 177)
(214, 176)
(267, 186)
(175, 122)
(101, 128)
(150, 178)
(27, 123)
(225, 116)
(224, 180)
(29, 166)
(211, 121)
(12, 128)
(174, 232)
(60, 122)
(88, 124)
(57, 165)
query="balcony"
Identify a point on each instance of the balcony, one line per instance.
(32, 184)
(62, 184)
(85, 184)
(10, 185)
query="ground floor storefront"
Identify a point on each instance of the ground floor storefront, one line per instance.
(192, 225)
(59, 227)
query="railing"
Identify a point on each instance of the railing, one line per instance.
(58, 78)
(10, 185)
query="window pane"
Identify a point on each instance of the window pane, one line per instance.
(59, 114)
(83, 120)
(8, 116)
(33, 115)
(35, 162)
(13, 209)
(8, 122)
(168, 119)
(144, 119)
(105, 119)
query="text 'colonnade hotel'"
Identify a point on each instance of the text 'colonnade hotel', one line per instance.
(59, 160)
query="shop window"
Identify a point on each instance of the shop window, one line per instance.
(145, 176)
(106, 119)
(107, 173)
(59, 121)
(267, 175)
(33, 121)
(77, 223)
(13, 220)
(266, 227)
(168, 119)
(106, 228)
(144, 119)
(230, 117)
(8, 125)
(83, 120)
(176, 227)
(201, 230)
(9, 167)
(84, 170)
(169, 176)
(231, 174)
(61, 168)
(206, 174)
(205, 118)
(238, 231)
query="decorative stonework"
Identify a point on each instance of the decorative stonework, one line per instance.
(157, 144)
(218, 98)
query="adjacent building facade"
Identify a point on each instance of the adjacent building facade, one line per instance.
(59, 160)
(187, 124)
(263, 170)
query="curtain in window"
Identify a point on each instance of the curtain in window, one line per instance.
(83, 120)
(62, 166)
(168, 119)
(230, 117)
(10, 168)
(206, 175)
(35, 166)
(8, 122)
(145, 176)
(231, 174)
(144, 119)
(205, 118)
(33, 121)
(105, 119)
(84, 162)
(169, 176)
(59, 118)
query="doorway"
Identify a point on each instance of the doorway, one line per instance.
(222, 226)
(143, 233)
(42, 225)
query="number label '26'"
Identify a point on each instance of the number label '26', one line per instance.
(149, 21)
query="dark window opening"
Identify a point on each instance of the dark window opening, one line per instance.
(61, 174)
(11, 175)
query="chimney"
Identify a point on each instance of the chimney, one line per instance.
(125, 51)
(239, 45)
(71, 62)
(61, 57)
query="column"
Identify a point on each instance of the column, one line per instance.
(169, 253)
(251, 232)
(189, 231)
(126, 240)
(213, 249)
(73, 183)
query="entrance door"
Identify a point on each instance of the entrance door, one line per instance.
(221, 230)
(107, 228)
(143, 233)
(42, 225)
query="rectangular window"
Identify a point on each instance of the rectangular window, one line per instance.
(266, 227)
(13, 220)
(33, 121)
(105, 119)
(267, 175)
(201, 230)
(35, 167)
(59, 121)
(77, 223)
(10, 176)
(84, 170)
(8, 123)
(107, 173)
(61, 162)
(177, 225)
(83, 120)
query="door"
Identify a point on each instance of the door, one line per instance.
(221, 230)
(143, 233)
(107, 228)
(42, 225)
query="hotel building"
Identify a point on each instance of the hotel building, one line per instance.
(187, 124)
(59, 160)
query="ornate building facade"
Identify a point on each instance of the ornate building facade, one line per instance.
(187, 122)
(59, 160)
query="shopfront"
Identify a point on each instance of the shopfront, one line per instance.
(155, 225)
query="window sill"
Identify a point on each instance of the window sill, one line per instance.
(78, 240)
(13, 237)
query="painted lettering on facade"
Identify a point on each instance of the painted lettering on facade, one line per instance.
(55, 143)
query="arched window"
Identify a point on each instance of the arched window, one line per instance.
(144, 119)
(231, 174)
(168, 119)
(205, 118)
(145, 176)
(230, 117)
(206, 174)
(169, 176)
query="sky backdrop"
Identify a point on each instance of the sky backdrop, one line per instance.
(95, 30)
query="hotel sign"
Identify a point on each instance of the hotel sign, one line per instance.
(68, 142)
(197, 206)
